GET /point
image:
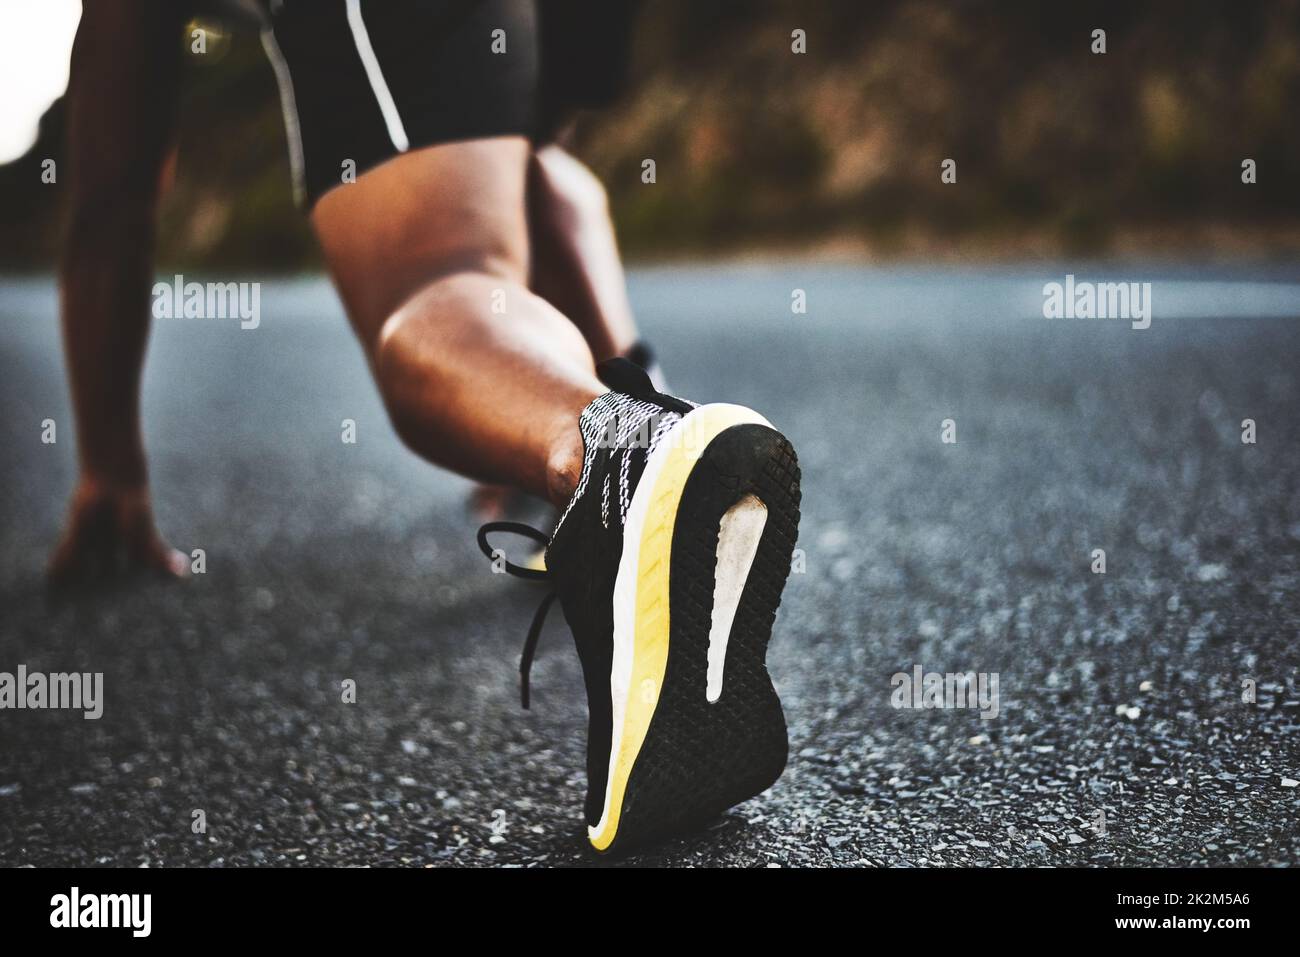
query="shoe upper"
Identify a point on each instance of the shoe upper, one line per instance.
(619, 430)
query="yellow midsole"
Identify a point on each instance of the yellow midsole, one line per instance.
(650, 639)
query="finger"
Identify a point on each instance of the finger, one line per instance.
(169, 561)
(148, 550)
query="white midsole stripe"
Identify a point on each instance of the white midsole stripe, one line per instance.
(387, 106)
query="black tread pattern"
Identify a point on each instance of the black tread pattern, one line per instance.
(699, 758)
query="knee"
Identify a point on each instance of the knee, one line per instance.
(380, 280)
(407, 348)
(586, 194)
(396, 360)
(576, 195)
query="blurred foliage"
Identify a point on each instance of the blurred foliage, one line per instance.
(1138, 150)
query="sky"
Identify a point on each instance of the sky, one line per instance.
(35, 43)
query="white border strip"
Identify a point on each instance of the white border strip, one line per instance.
(360, 36)
(289, 107)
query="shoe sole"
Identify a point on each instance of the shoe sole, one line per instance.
(697, 725)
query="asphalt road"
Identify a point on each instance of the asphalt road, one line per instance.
(1120, 695)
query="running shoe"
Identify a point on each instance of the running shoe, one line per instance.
(669, 562)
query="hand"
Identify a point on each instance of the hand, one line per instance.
(110, 533)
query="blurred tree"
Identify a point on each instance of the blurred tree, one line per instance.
(1058, 148)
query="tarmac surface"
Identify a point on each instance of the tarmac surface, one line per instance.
(1124, 733)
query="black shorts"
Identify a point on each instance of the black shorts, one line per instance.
(364, 80)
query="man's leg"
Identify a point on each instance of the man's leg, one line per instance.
(430, 254)
(576, 265)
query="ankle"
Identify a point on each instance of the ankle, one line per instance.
(564, 466)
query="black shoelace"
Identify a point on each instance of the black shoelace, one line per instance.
(621, 375)
(532, 574)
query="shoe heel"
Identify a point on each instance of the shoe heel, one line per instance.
(718, 735)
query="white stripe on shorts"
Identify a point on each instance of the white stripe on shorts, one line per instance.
(396, 132)
(289, 106)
